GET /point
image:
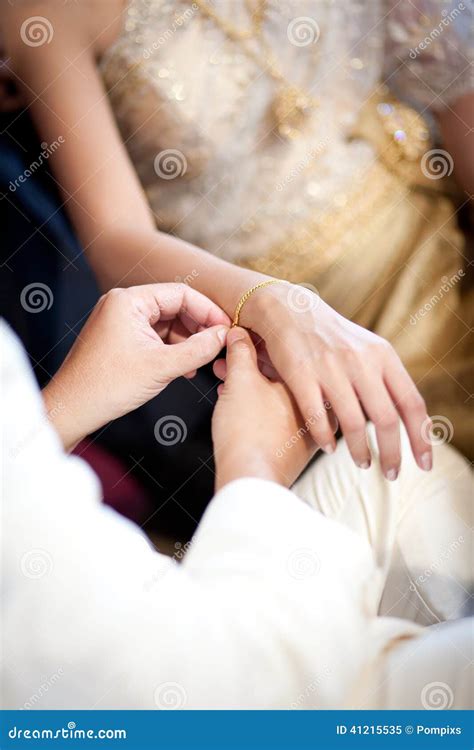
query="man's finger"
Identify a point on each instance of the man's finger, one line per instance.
(168, 301)
(241, 354)
(219, 369)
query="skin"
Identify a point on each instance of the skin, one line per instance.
(141, 339)
(318, 354)
(135, 342)
(263, 415)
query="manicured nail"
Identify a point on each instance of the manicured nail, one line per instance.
(329, 448)
(363, 464)
(426, 461)
(391, 474)
(222, 335)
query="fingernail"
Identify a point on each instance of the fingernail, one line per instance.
(426, 461)
(363, 464)
(391, 474)
(222, 335)
(329, 448)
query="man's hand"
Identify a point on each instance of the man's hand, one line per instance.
(136, 341)
(257, 429)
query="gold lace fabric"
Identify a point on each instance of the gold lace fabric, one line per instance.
(400, 137)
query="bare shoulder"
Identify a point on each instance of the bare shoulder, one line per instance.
(92, 24)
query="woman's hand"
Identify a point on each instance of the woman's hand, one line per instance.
(257, 429)
(136, 341)
(322, 356)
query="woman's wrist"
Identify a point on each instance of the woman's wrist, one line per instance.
(239, 281)
(263, 304)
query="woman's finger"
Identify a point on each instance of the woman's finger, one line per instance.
(412, 409)
(311, 403)
(340, 392)
(379, 407)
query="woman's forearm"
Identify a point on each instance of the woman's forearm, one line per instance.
(126, 256)
(100, 187)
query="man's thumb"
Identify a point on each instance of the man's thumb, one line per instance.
(241, 353)
(195, 352)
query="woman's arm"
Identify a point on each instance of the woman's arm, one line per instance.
(320, 355)
(97, 181)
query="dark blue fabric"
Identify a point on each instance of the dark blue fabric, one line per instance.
(38, 245)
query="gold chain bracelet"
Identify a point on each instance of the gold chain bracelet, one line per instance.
(248, 294)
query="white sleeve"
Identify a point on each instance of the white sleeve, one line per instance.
(266, 604)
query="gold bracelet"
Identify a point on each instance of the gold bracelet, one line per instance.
(248, 294)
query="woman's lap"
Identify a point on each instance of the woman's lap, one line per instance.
(419, 527)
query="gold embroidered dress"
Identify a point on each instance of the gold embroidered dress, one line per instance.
(347, 198)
